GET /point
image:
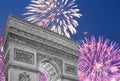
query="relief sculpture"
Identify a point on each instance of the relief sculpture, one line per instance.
(24, 56)
(24, 77)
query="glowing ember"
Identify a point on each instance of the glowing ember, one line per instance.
(85, 33)
(97, 66)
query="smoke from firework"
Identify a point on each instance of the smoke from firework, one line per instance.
(56, 15)
(99, 60)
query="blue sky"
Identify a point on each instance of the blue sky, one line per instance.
(100, 17)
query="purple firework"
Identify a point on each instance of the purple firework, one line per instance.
(42, 77)
(99, 60)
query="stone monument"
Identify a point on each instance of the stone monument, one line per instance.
(30, 49)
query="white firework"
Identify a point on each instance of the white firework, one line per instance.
(56, 15)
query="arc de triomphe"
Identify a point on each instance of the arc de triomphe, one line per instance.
(30, 49)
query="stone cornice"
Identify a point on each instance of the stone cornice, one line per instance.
(41, 32)
(66, 54)
(26, 36)
(17, 66)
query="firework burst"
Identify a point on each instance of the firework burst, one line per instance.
(42, 77)
(56, 15)
(99, 60)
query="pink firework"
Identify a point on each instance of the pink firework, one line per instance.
(1, 61)
(42, 77)
(99, 60)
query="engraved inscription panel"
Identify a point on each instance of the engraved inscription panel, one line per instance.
(23, 56)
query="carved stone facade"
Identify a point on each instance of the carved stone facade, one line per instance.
(30, 49)
(24, 77)
(23, 56)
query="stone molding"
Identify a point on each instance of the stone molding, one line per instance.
(41, 58)
(24, 77)
(19, 67)
(43, 40)
(41, 32)
(23, 56)
(7, 57)
(70, 69)
(51, 50)
(59, 51)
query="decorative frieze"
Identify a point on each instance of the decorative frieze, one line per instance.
(44, 41)
(59, 63)
(23, 56)
(41, 57)
(44, 48)
(70, 69)
(41, 32)
(24, 77)
(52, 52)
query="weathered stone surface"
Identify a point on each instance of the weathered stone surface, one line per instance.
(30, 49)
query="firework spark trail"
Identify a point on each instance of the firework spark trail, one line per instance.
(56, 15)
(1, 62)
(99, 60)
